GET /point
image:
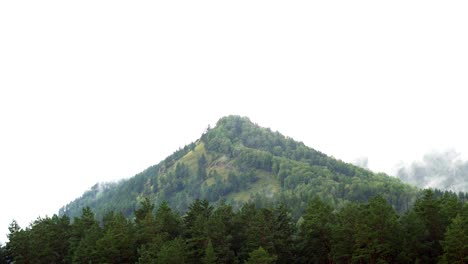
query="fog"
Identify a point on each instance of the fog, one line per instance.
(439, 169)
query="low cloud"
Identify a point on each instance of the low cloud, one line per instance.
(362, 162)
(441, 170)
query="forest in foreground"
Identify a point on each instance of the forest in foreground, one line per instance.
(435, 230)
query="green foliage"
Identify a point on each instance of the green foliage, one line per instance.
(455, 245)
(18, 245)
(201, 170)
(221, 231)
(284, 231)
(428, 209)
(369, 232)
(4, 256)
(315, 233)
(196, 221)
(377, 234)
(117, 245)
(167, 223)
(209, 257)
(173, 252)
(348, 220)
(414, 239)
(145, 223)
(260, 256)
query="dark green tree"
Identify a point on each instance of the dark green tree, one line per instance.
(413, 239)
(145, 224)
(168, 223)
(315, 233)
(18, 245)
(117, 245)
(148, 253)
(259, 232)
(4, 256)
(428, 208)
(173, 252)
(377, 235)
(87, 250)
(450, 207)
(260, 256)
(348, 219)
(49, 239)
(210, 257)
(283, 234)
(201, 170)
(196, 235)
(85, 233)
(221, 231)
(455, 244)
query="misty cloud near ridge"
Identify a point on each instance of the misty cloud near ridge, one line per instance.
(362, 162)
(440, 170)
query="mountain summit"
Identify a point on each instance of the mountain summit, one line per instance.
(238, 161)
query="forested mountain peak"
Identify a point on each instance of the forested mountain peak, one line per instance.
(234, 130)
(238, 161)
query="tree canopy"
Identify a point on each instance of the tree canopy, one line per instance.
(433, 231)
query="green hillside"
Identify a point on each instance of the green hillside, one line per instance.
(238, 161)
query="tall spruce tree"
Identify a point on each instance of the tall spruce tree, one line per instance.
(315, 233)
(377, 235)
(455, 244)
(283, 234)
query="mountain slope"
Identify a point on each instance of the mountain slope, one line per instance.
(238, 161)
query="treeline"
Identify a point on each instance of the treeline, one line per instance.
(435, 230)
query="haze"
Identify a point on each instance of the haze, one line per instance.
(96, 91)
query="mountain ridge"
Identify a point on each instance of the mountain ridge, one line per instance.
(238, 161)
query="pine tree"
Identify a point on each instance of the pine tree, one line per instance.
(49, 239)
(377, 235)
(85, 234)
(145, 223)
(18, 245)
(87, 250)
(344, 232)
(196, 229)
(315, 233)
(428, 209)
(148, 253)
(201, 171)
(209, 257)
(260, 232)
(117, 245)
(455, 244)
(168, 223)
(220, 229)
(283, 234)
(260, 256)
(4, 258)
(172, 252)
(413, 240)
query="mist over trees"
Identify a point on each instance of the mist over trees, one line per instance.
(441, 170)
(362, 162)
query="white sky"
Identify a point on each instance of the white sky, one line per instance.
(94, 91)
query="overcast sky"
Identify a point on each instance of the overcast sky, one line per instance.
(94, 91)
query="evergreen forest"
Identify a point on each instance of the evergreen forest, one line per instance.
(435, 230)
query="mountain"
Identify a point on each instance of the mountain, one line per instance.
(238, 161)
